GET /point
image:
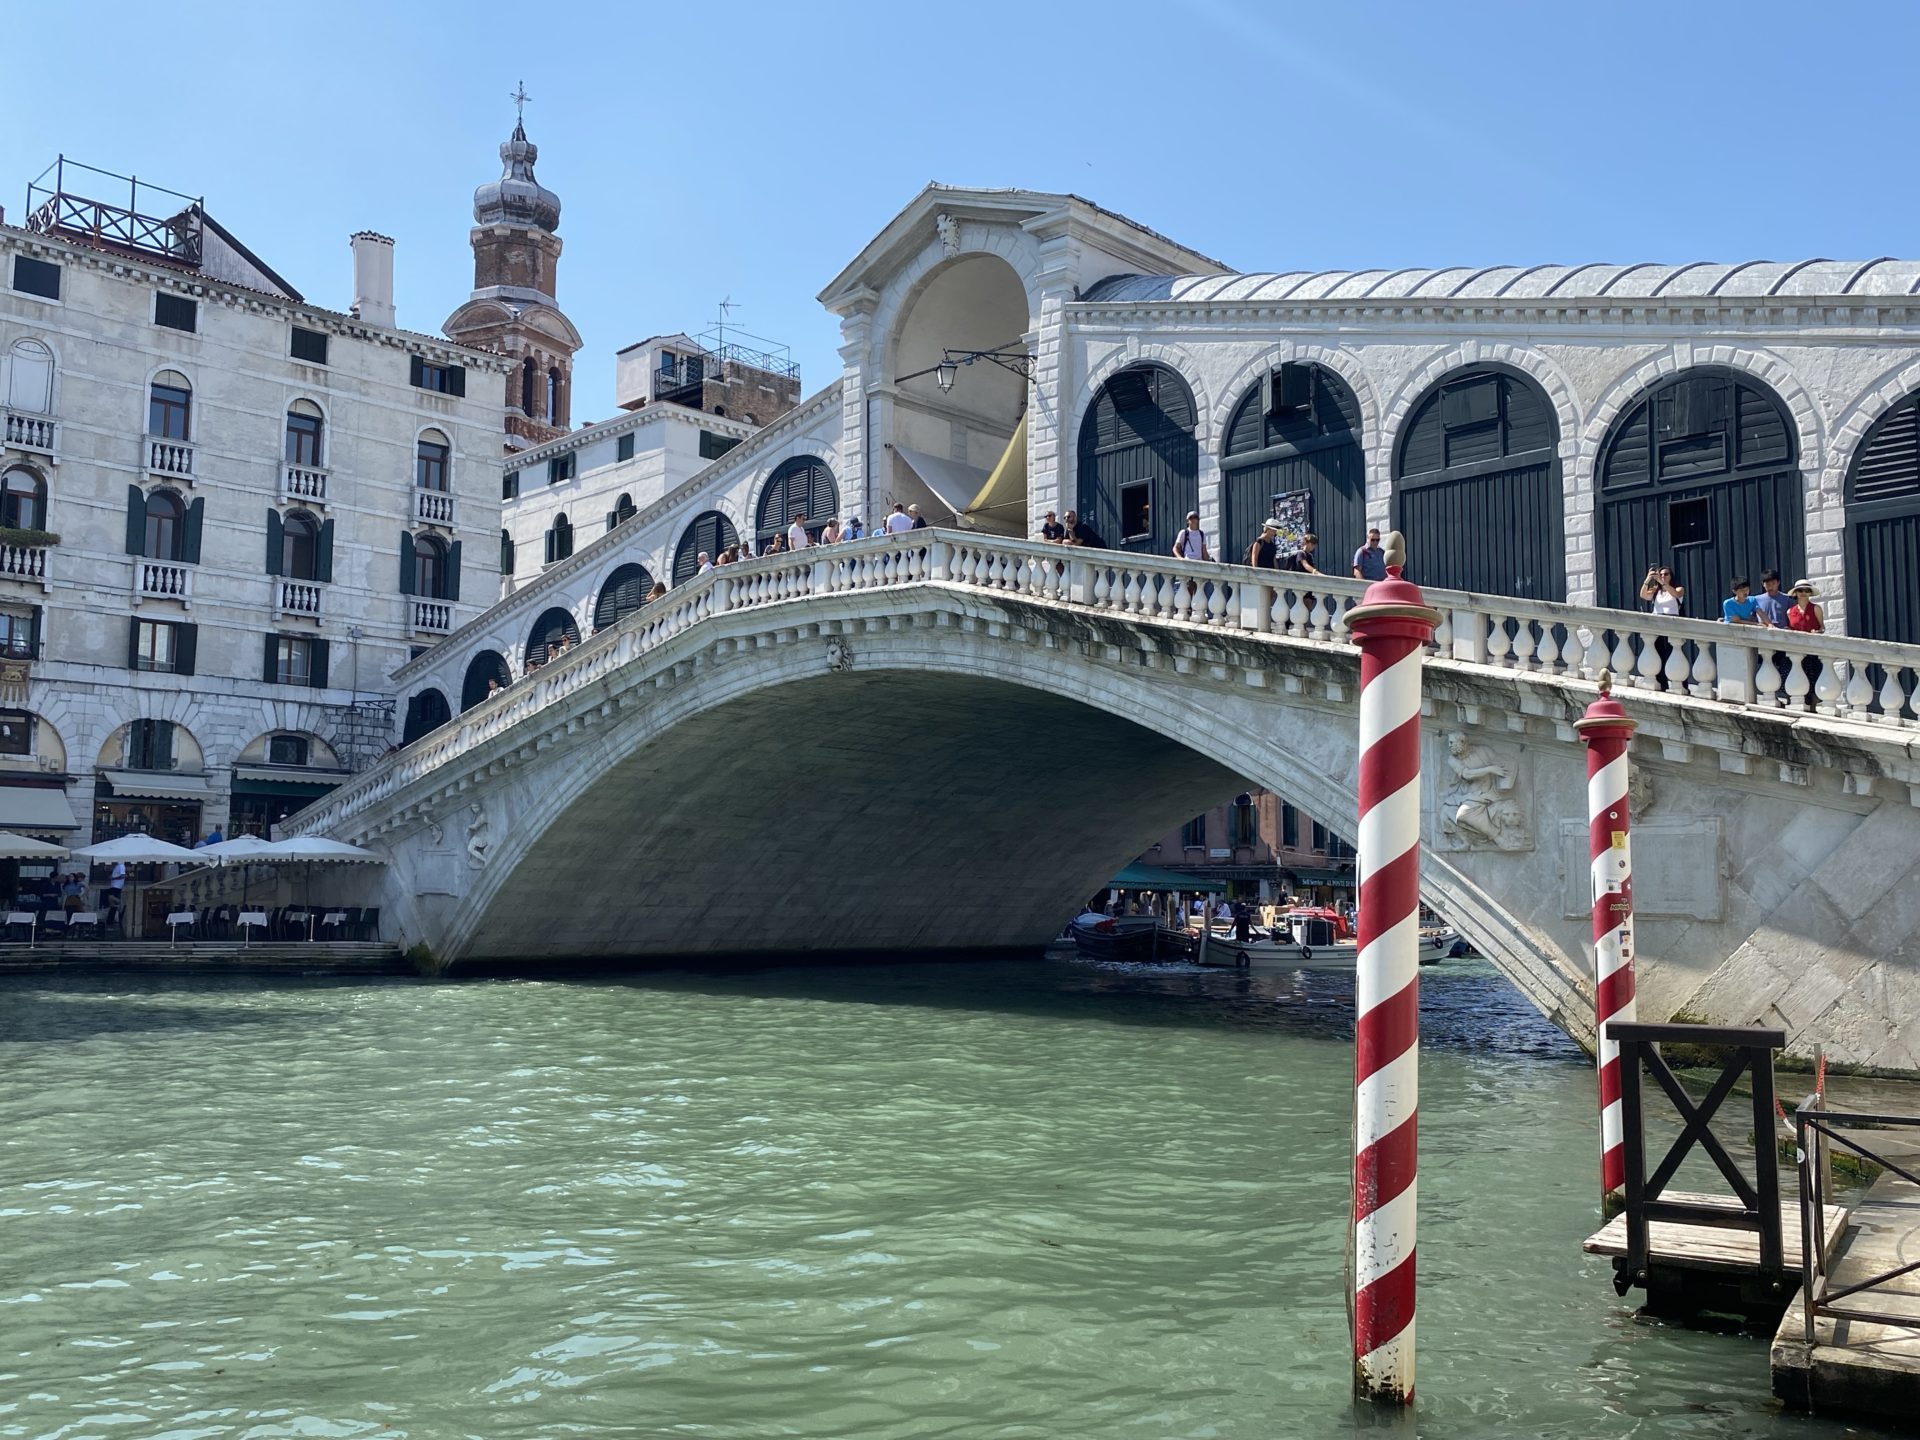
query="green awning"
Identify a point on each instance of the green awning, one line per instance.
(293, 789)
(1152, 877)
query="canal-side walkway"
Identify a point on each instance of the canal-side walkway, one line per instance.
(157, 957)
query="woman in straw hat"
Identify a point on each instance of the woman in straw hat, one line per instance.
(1803, 614)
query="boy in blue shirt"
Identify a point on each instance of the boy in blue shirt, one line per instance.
(1741, 609)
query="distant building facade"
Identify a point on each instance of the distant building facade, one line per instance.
(1261, 848)
(228, 515)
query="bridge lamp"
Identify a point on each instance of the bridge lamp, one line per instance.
(944, 374)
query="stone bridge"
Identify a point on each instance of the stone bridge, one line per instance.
(938, 742)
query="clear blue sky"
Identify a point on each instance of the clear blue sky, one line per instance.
(750, 150)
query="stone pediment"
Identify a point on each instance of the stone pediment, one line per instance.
(488, 312)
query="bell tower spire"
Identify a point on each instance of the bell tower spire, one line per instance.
(513, 308)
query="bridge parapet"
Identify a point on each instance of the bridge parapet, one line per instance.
(1836, 678)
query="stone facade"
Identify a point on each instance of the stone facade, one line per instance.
(1267, 841)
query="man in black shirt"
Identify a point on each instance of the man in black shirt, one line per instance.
(1079, 533)
(1264, 553)
(1302, 559)
(1053, 531)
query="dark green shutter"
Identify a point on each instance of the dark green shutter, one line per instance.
(190, 540)
(317, 664)
(136, 520)
(33, 633)
(186, 647)
(133, 644)
(549, 547)
(457, 380)
(452, 586)
(162, 758)
(274, 544)
(613, 518)
(270, 661)
(323, 554)
(406, 562)
(416, 371)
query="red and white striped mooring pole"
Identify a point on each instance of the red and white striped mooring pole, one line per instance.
(1391, 625)
(1608, 731)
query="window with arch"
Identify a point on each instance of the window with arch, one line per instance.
(430, 567)
(299, 545)
(170, 407)
(1883, 528)
(560, 538)
(526, 387)
(486, 676)
(802, 485)
(426, 712)
(30, 377)
(623, 511)
(553, 397)
(625, 592)
(166, 527)
(1295, 431)
(708, 534)
(432, 461)
(552, 632)
(304, 424)
(23, 500)
(1138, 460)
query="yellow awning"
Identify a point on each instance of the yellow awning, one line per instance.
(1002, 502)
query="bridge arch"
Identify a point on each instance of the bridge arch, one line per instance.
(1883, 528)
(710, 532)
(554, 627)
(1700, 473)
(488, 667)
(1139, 460)
(1477, 484)
(799, 485)
(1298, 429)
(623, 592)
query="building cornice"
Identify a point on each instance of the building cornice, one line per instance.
(625, 424)
(257, 302)
(1589, 315)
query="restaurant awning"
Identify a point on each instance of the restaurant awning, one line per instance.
(1000, 505)
(953, 482)
(32, 808)
(1321, 877)
(1153, 877)
(157, 785)
(276, 780)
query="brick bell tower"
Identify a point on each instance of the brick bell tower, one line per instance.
(512, 310)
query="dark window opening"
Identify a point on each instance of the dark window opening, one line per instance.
(1243, 820)
(168, 409)
(1193, 835)
(1289, 827)
(510, 485)
(176, 312)
(430, 459)
(20, 634)
(1319, 836)
(713, 446)
(303, 439)
(153, 647)
(166, 528)
(36, 277)
(1475, 403)
(150, 744)
(287, 750)
(429, 568)
(1136, 511)
(299, 546)
(16, 732)
(293, 660)
(23, 501)
(309, 345)
(441, 379)
(559, 468)
(1689, 522)
(506, 553)
(623, 448)
(1292, 389)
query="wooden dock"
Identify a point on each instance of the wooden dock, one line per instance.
(204, 957)
(1856, 1365)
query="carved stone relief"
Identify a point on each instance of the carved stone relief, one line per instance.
(1483, 804)
(479, 838)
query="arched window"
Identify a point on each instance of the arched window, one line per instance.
(166, 527)
(30, 377)
(1139, 463)
(1476, 487)
(429, 567)
(526, 387)
(170, 406)
(1883, 528)
(506, 553)
(553, 396)
(800, 486)
(553, 629)
(485, 671)
(23, 500)
(1296, 432)
(560, 539)
(625, 592)
(622, 511)
(1699, 475)
(425, 712)
(303, 434)
(432, 460)
(299, 546)
(709, 534)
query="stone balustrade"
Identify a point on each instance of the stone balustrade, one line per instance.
(303, 485)
(162, 580)
(432, 617)
(24, 562)
(299, 597)
(1693, 660)
(31, 432)
(172, 458)
(433, 507)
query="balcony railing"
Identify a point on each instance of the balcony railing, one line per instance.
(24, 562)
(31, 432)
(170, 457)
(299, 597)
(433, 617)
(162, 580)
(300, 485)
(433, 507)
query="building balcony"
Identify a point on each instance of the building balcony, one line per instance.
(433, 507)
(162, 580)
(171, 458)
(304, 598)
(300, 485)
(35, 433)
(24, 562)
(433, 617)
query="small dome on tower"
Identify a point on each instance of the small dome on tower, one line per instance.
(516, 198)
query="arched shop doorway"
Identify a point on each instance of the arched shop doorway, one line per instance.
(1294, 442)
(486, 669)
(1883, 529)
(800, 486)
(1699, 474)
(710, 533)
(1139, 462)
(1476, 487)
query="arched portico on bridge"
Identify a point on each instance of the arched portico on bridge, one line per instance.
(1296, 431)
(1139, 461)
(485, 671)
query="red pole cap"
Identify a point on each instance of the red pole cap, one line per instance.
(1393, 606)
(1606, 716)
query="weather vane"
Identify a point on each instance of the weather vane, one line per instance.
(520, 98)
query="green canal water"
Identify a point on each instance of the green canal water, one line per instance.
(1044, 1200)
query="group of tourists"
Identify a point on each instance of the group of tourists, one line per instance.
(801, 535)
(1774, 608)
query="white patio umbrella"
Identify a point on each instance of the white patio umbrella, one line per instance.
(241, 850)
(312, 850)
(137, 850)
(22, 847)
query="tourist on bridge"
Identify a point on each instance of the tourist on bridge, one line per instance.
(1264, 553)
(899, 522)
(1661, 592)
(658, 592)
(855, 530)
(797, 537)
(1741, 608)
(1370, 560)
(919, 520)
(1803, 615)
(1773, 602)
(706, 563)
(1301, 560)
(1191, 543)
(830, 532)
(1082, 534)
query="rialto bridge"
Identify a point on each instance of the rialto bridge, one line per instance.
(940, 741)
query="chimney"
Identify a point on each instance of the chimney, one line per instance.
(373, 278)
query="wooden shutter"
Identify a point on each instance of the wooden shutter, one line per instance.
(416, 371)
(274, 543)
(613, 518)
(317, 663)
(190, 537)
(133, 643)
(270, 659)
(549, 547)
(161, 756)
(136, 520)
(323, 554)
(406, 562)
(457, 380)
(452, 587)
(33, 634)
(186, 646)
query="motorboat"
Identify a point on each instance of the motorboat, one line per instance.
(1136, 939)
(1309, 940)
